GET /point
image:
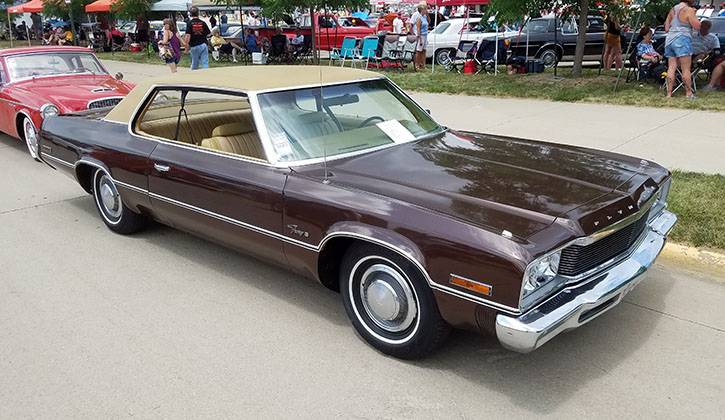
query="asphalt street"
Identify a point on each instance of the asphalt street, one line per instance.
(161, 324)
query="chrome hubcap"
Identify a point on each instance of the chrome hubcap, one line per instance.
(109, 197)
(31, 138)
(387, 298)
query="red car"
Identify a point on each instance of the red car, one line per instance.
(41, 82)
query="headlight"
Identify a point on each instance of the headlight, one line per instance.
(49, 110)
(540, 279)
(541, 271)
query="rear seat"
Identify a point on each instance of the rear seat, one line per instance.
(201, 126)
(239, 138)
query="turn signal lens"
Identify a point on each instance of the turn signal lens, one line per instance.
(471, 285)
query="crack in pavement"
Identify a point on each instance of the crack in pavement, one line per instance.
(651, 130)
(35, 206)
(535, 114)
(675, 316)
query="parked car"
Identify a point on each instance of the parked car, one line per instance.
(551, 46)
(39, 82)
(443, 41)
(350, 182)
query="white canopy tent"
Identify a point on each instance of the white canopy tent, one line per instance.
(171, 6)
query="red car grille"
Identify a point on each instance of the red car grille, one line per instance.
(103, 103)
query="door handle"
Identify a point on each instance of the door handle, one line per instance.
(161, 168)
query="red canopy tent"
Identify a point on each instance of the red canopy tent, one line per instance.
(101, 6)
(29, 7)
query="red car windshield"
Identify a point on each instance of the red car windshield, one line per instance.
(27, 66)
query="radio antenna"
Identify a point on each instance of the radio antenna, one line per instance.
(322, 116)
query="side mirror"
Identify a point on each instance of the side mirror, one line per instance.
(428, 111)
(119, 76)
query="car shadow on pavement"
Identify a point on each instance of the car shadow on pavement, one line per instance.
(228, 263)
(538, 382)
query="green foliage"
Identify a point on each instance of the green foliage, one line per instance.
(58, 8)
(132, 9)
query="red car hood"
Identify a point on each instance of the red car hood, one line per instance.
(73, 93)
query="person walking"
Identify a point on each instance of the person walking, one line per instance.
(419, 27)
(680, 23)
(197, 32)
(172, 42)
(613, 48)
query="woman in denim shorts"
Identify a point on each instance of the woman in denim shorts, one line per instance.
(678, 45)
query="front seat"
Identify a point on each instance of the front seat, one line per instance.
(240, 138)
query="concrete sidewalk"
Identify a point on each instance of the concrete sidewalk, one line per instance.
(675, 138)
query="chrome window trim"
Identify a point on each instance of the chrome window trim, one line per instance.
(252, 97)
(587, 240)
(11, 80)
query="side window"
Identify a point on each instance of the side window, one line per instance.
(569, 27)
(595, 25)
(212, 120)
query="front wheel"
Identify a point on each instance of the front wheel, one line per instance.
(114, 213)
(389, 302)
(31, 138)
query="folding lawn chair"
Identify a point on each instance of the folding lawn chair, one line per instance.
(390, 46)
(304, 53)
(486, 55)
(346, 51)
(369, 48)
(278, 52)
(639, 68)
(466, 51)
(404, 55)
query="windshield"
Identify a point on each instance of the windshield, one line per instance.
(52, 64)
(351, 118)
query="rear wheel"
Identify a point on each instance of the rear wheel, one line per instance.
(31, 138)
(549, 57)
(114, 213)
(389, 302)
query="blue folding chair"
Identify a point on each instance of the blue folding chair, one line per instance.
(369, 49)
(347, 50)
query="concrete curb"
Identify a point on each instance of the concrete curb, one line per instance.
(694, 260)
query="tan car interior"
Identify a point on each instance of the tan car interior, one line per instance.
(225, 126)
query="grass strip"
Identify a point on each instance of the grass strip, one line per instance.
(698, 200)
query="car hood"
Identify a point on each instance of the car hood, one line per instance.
(500, 183)
(72, 93)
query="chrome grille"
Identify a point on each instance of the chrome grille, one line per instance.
(105, 102)
(577, 259)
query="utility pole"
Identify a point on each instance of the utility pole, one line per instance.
(72, 24)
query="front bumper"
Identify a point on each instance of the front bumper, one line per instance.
(580, 303)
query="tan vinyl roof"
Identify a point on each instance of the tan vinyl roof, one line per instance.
(247, 78)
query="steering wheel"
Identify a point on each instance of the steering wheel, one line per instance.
(369, 120)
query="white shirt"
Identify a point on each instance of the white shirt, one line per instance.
(398, 25)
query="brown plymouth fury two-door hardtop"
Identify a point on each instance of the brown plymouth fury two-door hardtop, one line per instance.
(338, 175)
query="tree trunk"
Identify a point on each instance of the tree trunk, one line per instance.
(581, 39)
(315, 53)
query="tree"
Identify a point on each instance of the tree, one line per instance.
(654, 13)
(59, 9)
(132, 9)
